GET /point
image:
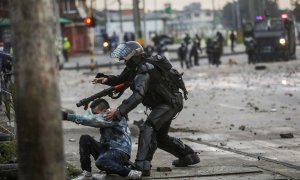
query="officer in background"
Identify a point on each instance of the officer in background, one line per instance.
(250, 49)
(181, 52)
(66, 48)
(151, 88)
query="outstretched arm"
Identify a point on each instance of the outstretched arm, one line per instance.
(92, 120)
(141, 85)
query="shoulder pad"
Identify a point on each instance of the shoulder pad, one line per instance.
(158, 57)
(145, 68)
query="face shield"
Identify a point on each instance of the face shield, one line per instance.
(122, 52)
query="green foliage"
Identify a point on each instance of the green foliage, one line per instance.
(8, 151)
(71, 170)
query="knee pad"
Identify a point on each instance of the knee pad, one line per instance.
(178, 142)
(147, 143)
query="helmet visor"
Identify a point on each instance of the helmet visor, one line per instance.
(122, 51)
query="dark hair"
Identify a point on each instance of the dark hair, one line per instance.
(100, 103)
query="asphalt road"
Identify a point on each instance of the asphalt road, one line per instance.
(234, 117)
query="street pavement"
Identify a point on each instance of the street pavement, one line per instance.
(234, 119)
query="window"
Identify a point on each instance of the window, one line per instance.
(69, 6)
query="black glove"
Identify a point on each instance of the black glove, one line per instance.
(99, 75)
(64, 115)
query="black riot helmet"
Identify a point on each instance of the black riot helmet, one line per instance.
(127, 50)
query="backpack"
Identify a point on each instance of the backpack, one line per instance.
(170, 76)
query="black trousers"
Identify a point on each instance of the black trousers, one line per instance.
(154, 133)
(111, 161)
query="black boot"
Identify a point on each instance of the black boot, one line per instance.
(187, 160)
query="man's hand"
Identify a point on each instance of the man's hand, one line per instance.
(86, 106)
(110, 113)
(100, 80)
(64, 115)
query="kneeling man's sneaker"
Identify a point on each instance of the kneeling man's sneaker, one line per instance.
(187, 160)
(133, 174)
(85, 175)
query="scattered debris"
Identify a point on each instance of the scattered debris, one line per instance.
(273, 110)
(260, 67)
(231, 125)
(188, 130)
(288, 118)
(232, 62)
(252, 106)
(163, 169)
(74, 82)
(134, 129)
(72, 140)
(289, 94)
(218, 122)
(287, 136)
(223, 143)
(139, 112)
(242, 127)
(199, 139)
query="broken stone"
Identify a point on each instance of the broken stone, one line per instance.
(287, 136)
(273, 110)
(242, 127)
(260, 67)
(223, 143)
(193, 114)
(231, 125)
(134, 129)
(139, 112)
(163, 169)
(288, 119)
(289, 94)
(72, 140)
(199, 139)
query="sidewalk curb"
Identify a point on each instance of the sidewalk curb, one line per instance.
(118, 65)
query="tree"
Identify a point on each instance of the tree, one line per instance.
(229, 18)
(296, 10)
(39, 131)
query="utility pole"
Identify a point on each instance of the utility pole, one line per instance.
(136, 17)
(106, 14)
(144, 19)
(238, 15)
(155, 15)
(120, 16)
(38, 115)
(91, 38)
(233, 15)
(252, 13)
(214, 15)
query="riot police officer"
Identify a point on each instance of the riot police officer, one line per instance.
(250, 49)
(150, 88)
